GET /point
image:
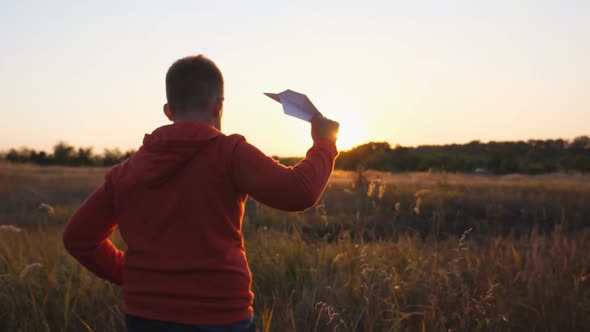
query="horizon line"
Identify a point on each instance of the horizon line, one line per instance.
(2, 152)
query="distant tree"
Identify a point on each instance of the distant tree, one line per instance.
(127, 154)
(380, 160)
(111, 157)
(83, 157)
(14, 156)
(581, 163)
(358, 156)
(584, 164)
(508, 165)
(40, 158)
(580, 143)
(63, 154)
(535, 168)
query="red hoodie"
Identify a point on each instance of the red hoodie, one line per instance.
(179, 203)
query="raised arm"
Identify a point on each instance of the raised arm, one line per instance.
(287, 188)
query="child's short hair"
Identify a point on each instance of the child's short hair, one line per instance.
(193, 83)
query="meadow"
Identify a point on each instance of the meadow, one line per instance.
(380, 252)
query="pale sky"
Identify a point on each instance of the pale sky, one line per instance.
(406, 72)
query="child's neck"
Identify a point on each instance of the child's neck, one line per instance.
(198, 117)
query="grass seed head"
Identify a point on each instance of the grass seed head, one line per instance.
(47, 208)
(27, 269)
(10, 228)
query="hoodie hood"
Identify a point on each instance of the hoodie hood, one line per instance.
(169, 148)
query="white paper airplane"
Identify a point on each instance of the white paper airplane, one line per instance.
(296, 104)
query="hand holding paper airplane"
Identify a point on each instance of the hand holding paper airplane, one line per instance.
(296, 104)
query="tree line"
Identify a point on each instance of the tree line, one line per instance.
(530, 157)
(64, 154)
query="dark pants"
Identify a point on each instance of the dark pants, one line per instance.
(138, 324)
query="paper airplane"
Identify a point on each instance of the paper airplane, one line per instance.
(296, 104)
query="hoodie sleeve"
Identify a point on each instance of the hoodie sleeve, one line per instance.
(285, 188)
(86, 236)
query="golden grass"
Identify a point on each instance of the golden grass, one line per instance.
(532, 283)
(364, 260)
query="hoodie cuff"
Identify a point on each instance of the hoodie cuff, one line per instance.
(326, 145)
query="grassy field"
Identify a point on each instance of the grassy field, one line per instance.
(380, 252)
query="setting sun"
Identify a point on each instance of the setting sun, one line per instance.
(352, 118)
(353, 132)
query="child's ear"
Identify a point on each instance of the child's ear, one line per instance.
(168, 112)
(218, 108)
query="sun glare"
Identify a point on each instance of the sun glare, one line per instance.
(352, 133)
(353, 124)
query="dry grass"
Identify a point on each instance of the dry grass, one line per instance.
(532, 283)
(364, 260)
